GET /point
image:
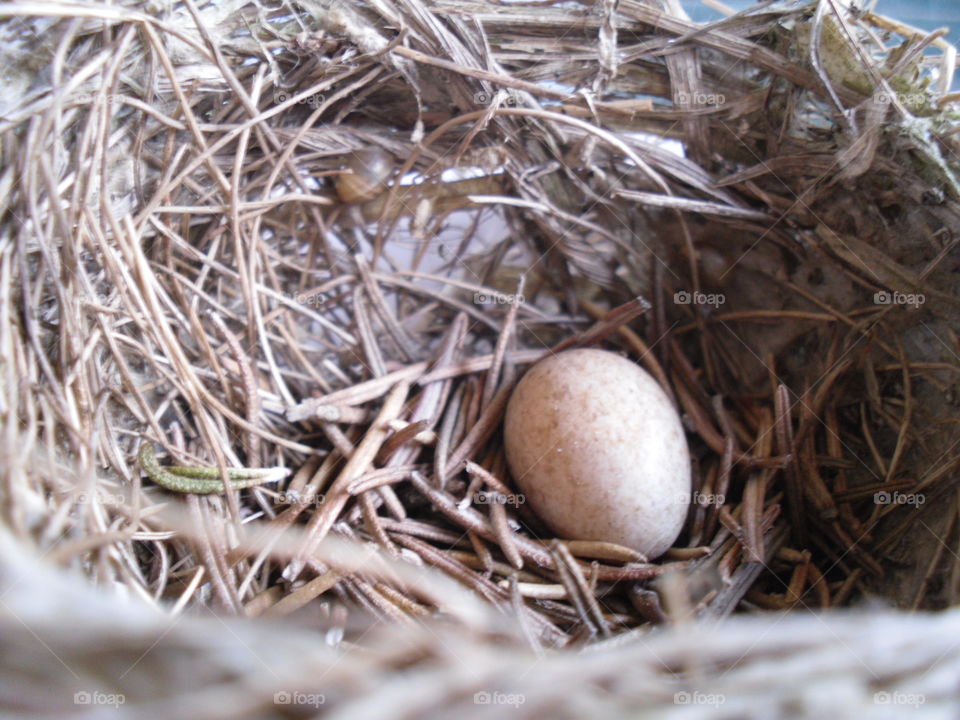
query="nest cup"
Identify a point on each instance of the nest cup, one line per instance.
(327, 241)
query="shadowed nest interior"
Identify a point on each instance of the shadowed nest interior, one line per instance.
(329, 237)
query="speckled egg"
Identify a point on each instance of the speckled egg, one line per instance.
(597, 449)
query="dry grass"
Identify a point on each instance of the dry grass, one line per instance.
(176, 267)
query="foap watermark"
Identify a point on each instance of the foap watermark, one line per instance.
(95, 697)
(911, 100)
(704, 499)
(913, 300)
(287, 697)
(914, 700)
(101, 498)
(314, 101)
(498, 698)
(293, 498)
(899, 498)
(684, 297)
(491, 297)
(701, 98)
(503, 97)
(698, 698)
(308, 299)
(91, 98)
(488, 497)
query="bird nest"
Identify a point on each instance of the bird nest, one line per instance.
(321, 241)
